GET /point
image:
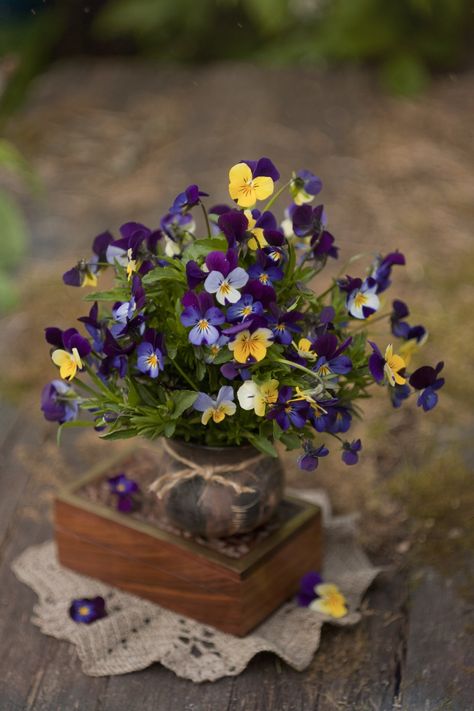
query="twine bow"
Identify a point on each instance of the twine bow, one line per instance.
(208, 473)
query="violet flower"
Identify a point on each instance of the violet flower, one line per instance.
(382, 268)
(309, 461)
(86, 610)
(307, 592)
(305, 186)
(203, 317)
(426, 379)
(288, 412)
(124, 488)
(187, 199)
(59, 402)
(244, 308)
(350, 452)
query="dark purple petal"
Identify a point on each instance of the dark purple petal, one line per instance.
(54, 336)
(73, 277)
(194, 274)
(234, 225)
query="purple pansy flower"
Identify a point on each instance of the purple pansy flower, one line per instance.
(187, 199)
(304, 186)
(87, 609)
(307, 592)
(336, 418)
(398, 394)
(329, 352)
(194, 274)
(232, 370)
(203, 317)
(59, 402)
(124, 488)
(175, 224)
(265, 270)
(234, 225)
(217, 409)
(287, 412)
(264, 293)
(308, 220)
(116, 359)
(225, 278)
(323, 246)
(125, 314)
(284, 325)
(401, 328)
(382, 268)
(244, 308)
(68, 339)
(426, 379)
(263, 167)
(350, 452)
(150, 353)
(310, 459)
(94, 327)
(85, 271)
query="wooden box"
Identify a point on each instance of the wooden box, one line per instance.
(231, 594)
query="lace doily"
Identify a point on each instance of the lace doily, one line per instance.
(137, 633)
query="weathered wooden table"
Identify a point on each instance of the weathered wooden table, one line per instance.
(411, 651)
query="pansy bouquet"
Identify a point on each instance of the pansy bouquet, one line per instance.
(221, 338)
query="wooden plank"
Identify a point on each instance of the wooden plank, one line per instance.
(438, 673)
(36, 672)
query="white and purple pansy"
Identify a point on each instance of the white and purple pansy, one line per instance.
(225, 277)
(203, 317)
(363, 301)
(216, 408)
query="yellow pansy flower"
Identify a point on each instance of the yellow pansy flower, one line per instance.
(245, 189)
(256, 397)
(68, 363)
(251, 345)
(330, 601)
(393, 364)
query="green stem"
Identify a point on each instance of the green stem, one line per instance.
(276, 196)
(85, 387)
(101, 385)
(206, 217)
(183, 375)
(297, 365)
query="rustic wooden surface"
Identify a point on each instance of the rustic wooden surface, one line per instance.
(411, 651)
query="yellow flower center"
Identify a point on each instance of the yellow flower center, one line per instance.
(121, 487)
(224, 288)
(152, 361)
(324, 369)
(360, 300)
(264, 278)
(84, 610)
(246, 311)
(203, 324)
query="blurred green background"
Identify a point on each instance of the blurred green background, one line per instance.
(405, 40)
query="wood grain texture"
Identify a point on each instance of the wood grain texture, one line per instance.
(231, 595)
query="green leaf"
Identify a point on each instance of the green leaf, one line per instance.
(120, 434)
(111, 295)
(290, 440)
(182, 400)
(262, 444)
(14, 233)
(164, 274)
(169, 429)
(202, 247)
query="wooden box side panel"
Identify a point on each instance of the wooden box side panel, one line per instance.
(132, 545)
(277, 579)
(219, 608)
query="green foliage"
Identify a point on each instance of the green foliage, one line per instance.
(14, 231)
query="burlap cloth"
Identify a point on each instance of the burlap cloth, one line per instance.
(137, 633)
